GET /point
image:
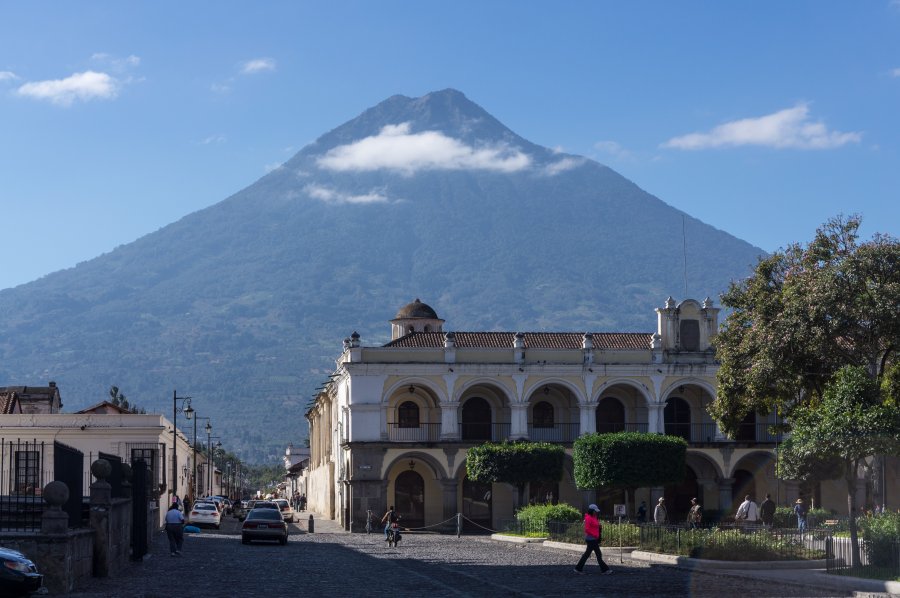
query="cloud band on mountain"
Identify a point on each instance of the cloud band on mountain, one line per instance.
(333, 196)
(395, 148)
(790, 128)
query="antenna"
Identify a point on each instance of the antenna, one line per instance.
(684, 252)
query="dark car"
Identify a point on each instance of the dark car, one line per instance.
(18, 575)
(264, 524)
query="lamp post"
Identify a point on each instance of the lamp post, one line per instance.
(195, 486)
(188, 412)
(211, 456)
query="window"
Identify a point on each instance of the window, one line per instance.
(543, 415)
(408, 415)
(690, 335)
(476, 419)
(677, 418)
(610, 416)
(27, 472)
(150, 454)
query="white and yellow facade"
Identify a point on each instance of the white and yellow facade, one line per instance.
(395, 422)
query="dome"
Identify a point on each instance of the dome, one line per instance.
(416, 309)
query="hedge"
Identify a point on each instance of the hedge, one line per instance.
(628, 459)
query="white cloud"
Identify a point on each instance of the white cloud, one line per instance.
(789, 128)
(273, 166)
(895, 73)
(257, 65)
(86, 86)
(115, 63)
(395, 148)
(333, 196)
(612, 148)
(8, 76)
(214, 139)
(567, 163)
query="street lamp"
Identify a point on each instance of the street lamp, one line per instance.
(195, 485)
(210, 456)
(188, 412)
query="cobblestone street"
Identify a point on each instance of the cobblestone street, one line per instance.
(333, 563)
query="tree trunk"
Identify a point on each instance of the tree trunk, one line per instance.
(850, 477)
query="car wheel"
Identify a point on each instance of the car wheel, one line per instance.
(283, 541)
(245, 540)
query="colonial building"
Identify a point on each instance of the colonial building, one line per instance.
(395, 421)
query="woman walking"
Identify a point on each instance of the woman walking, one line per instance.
(175, 529)
(592, 534)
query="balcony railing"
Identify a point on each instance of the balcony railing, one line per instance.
(483, 431)
(608, 427)
(706, 433)
(422, 433)
(554, 433)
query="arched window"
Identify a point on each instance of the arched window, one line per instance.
(542, 416)
(408, 415)
(476, 419)
(677, 418)
(746, 431)
(610, 415)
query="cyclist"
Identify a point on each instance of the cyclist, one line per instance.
(389, 518)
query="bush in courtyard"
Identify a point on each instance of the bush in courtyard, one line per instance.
(536, 517)
(628, 459)
(880, 533)
(516, 463)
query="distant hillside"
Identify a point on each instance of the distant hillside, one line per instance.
(244, 305)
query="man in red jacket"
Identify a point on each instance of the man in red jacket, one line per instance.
(592, 533)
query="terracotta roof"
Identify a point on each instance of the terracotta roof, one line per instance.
(629, 341)
(8, 402)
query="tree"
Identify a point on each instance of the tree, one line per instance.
(626, 460)
(516, 463)
(804, 314)
(118, 399)
(851, 422)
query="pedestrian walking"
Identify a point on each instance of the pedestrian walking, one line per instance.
(800, 512)
(660, 515)
(642, 512)
(767, 511)
(695, 515)
(592, 535)
(175, 529)
(748, 512)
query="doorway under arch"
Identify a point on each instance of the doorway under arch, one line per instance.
(744, 484)
(678, 497)
(610, 415)
(409, 498)
(677, 418)
(477, 505)
(476, 419)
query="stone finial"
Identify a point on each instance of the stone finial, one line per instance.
(346, 343)
(127, 473)
(449, 340)
(707, 303)
(587, 341)
(56, 494)
(519, 341)
(656, 341)
(354, 340)
(670, 302)
(101, 468)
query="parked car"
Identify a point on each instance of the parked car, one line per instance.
(205, 513)
(285, 507)
(264, 524)
(266, 504)
(18, 574)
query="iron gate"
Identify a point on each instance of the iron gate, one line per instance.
(67, 464)
(140, 506)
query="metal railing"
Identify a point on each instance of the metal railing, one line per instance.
(607, 427)
(554, 433)
(22, 480)
(483, 431)
(707, 433)
(878, 559)
(736, 543)
(420, 433)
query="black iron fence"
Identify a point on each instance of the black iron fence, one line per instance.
(480, 431)
(740, 543)
(554, 432)
(609, 427)
(878, 559)
(23, 476)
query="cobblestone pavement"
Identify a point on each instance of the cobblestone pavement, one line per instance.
(333, 563)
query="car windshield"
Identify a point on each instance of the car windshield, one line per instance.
(265, 505)
(264, 514)
(205, 507)
(282, 503)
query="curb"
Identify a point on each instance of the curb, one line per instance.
(705, 564)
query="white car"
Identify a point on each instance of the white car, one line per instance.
(205, 513)
(285, 507)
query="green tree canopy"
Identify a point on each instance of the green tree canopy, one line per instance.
(628, 459)
(803, 314)
(516, 463)
(850, 423)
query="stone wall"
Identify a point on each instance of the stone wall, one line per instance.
(63, 559)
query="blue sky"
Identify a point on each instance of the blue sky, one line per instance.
(763, 119)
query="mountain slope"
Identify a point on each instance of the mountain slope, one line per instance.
(244, 305)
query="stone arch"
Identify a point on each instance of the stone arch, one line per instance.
(750, 473)
(500, 392)
(703, 465)
(689, 381)
(435, 467)
(531, 392)
(436, 393)
(641, 388)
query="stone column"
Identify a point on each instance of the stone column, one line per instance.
(588, 419)
(655, 419)
(450, 420)
(101, 502)
(451, 506)
(54, 520)
(518, 428)
(707, 491)
(726, 501)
